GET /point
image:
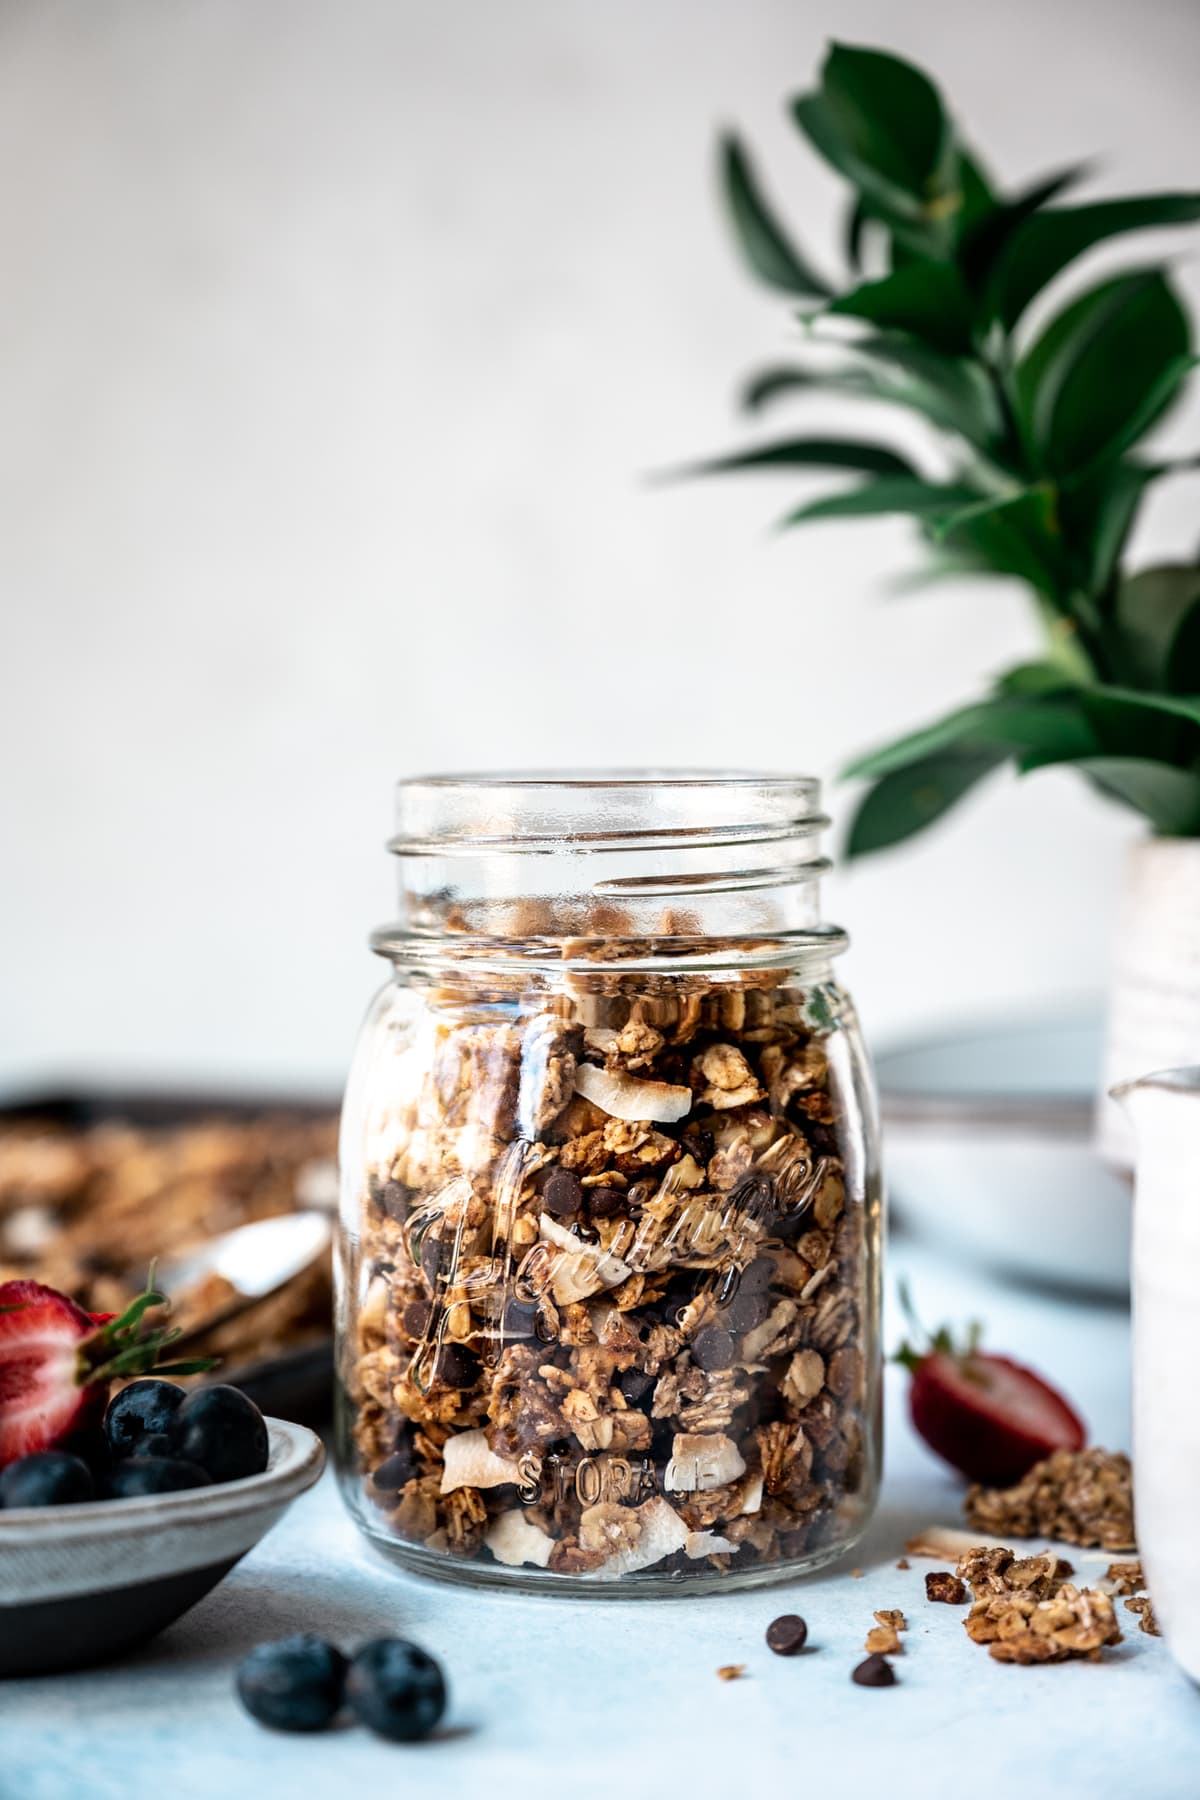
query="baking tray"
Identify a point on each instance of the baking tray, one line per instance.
(297, 1385)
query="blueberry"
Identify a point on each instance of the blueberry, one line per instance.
(155, 1443)
(141, 1409)
(47, 1478)
(223, 1431)
(397, 1689)
(293, 1685)
(135, 1475)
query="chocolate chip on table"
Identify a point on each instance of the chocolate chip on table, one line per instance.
(712, 1349)
(787, 1635)
(874, 1671)
(562, 1194)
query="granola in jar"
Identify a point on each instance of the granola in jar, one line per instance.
(609, 1283)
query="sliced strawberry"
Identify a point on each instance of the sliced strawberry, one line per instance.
(989, 1417)
(56, 1364)
(41, 1402)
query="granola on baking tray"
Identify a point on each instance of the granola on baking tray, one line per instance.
(614, 1277)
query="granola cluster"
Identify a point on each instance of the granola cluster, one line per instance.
(1078, 1496)
(613, 1284)
(1027, 1610)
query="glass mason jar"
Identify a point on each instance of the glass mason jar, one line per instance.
(608, 1270)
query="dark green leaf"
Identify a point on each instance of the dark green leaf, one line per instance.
(1151, 620)
(857, 220)
(888, 114)
(773, 384)
(955, 391)
(1097, 516)
(818, 121)
(925, 298)
(983, 241)
(1083, 386)
(977, 198)
(1168, 797)
(1018, 724)
(765, 245)
(1046, 243)
(906, 801)
(1015, 535)
(809, 453)
(890, 494)
(1033, 679)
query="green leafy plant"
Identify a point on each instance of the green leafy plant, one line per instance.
(1038, 433)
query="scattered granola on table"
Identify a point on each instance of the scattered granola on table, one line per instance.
(615, 1276)
(1026, 1610)
(731, 1671)
(1147, 1622)
(940, 1584)
(1126, 1577)
(884, 1637)
(1078, 1496)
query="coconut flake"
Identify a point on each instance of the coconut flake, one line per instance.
(708, 1543)
(625, 1097)
(582, 1269)
(470, 1461)
(513, 1540)
(701, 1460)
(662, 1533)
(752, 1495)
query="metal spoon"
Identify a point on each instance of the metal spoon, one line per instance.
(256, 1260)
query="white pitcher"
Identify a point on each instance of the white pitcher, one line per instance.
(1165, 1110)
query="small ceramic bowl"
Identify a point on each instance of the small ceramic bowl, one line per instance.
(81, 1584)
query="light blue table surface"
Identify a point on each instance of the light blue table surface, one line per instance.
(564, 1700)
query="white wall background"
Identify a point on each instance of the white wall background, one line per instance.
(335, 337)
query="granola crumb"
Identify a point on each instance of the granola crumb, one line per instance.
(883, 1640)
(856, 1574)
(1080, 1496)
(1026, 1611)
(904, 1563)
(731, 1671)
(894, 1617)
(1126, 1577)
(1144, 1607)
(940, 1584)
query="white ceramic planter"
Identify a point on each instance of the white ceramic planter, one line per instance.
(1154, 1000)
(1165, 1110)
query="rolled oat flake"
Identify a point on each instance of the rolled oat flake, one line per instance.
(787, 1635)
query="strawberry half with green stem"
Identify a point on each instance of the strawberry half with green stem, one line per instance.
(989, 1417)
(57, 1364)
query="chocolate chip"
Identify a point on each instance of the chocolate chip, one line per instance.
(745, 1311)
(787, 1635)
(758, 1275)
(699, 1143)
(874, 1671)
(562, 1194)
(431, 1256)
(456, 1366)
(712, 1348)
(393, 1199)
(395, 1472)
(634, 1384)
(518, 1318)
(602, 1203)
(415, 1317)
